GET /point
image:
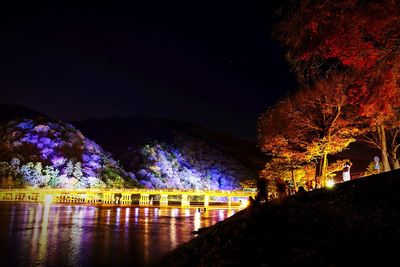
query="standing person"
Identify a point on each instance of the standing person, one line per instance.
(251, 202)
(301, 190)
(377, 165)
(346, 172)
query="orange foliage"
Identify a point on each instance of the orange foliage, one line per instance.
(310, 124)
(361, 37)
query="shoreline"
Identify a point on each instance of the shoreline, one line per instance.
(213, 207)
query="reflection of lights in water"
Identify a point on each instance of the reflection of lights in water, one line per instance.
(187, 212)
(163, 212)
(146, 211)
(31, 215)
(92, 211)
(42, 242)
(108, 217)
(26, 213)
(118, 215)
(146, 236)
(221, 215)
(10, 227)
(136, 214)
(207, 219)
(96, 211)
(197, 220)
(127, 211)
(172, 228)
(76, 236)
(35, 239)
(174, 212)
(152, 234)
(156, 212)
(55, 217)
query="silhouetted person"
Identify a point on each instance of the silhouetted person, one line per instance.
(262, 192)
(252, 202)
(301, 190)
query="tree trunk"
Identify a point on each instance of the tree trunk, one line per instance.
(321, 172)
(318, 173)
(324, 169)
(294, 181)
(384, 150)
(393, 159)
(393, 147)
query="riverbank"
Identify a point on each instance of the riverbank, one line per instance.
(354, 224)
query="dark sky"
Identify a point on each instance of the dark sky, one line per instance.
(214, 64)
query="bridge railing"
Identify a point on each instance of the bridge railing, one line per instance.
(120, 196)
(133, 191)
(139, 190)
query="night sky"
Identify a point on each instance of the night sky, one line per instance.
(211, 64)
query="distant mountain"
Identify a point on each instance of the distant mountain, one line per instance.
(169, 153)
(11, 112)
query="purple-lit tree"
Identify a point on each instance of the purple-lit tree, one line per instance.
(55, 154)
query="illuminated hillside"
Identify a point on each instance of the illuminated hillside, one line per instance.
(133, 152)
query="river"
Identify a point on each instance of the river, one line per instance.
(38, 234)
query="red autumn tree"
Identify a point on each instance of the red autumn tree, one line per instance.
(277, 138)
(361, 37)
(309, 125)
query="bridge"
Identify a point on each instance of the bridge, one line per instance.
(125, 196)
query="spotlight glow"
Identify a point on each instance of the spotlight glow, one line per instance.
(330, 183)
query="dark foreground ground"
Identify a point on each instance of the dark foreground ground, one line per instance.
(355, 224)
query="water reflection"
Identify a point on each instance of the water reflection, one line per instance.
(136, 215)
(118, 215)
(146, 235)
(197, 220)
(78, 235)
(42, 243)
(127, 212)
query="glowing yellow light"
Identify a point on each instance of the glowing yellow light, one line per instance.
(330, 184)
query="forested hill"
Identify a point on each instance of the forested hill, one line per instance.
(118, 152)
(160, 151)
(41, 152)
